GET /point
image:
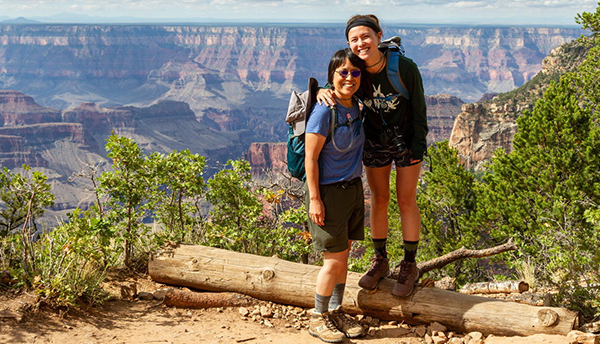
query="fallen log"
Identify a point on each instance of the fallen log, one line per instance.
(495, 287)
(277, 280)
(187, 299)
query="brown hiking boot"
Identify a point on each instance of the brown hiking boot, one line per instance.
(409, 274)
(378, 270)
(346, 324)
(323, 327)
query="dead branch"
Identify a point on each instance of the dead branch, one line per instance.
(495, 287)
(461, 253)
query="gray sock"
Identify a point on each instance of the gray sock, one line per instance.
(321, 303)
(337, 296)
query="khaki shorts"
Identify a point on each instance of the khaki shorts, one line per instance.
(344, 216)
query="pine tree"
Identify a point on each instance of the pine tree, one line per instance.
(447, 199)
(544, 193)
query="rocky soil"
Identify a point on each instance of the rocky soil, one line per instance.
(135, 314)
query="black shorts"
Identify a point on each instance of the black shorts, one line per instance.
(376, 154)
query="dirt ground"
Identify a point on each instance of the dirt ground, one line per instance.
(131, 320)
(138, 321)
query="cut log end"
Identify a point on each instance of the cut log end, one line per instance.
(547, 317)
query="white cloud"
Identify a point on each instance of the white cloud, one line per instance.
(406, 11)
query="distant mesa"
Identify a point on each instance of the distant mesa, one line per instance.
(20, 20)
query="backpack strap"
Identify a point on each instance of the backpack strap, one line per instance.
(333, 122)
(393, 73)
(392, 47)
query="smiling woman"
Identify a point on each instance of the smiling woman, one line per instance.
(334, 194)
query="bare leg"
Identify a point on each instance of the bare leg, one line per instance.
(406, 189)
(334, 270)
(379, 183)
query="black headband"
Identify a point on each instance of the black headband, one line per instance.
(362, 22)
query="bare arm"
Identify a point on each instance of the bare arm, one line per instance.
(314, 145)
(325, 95)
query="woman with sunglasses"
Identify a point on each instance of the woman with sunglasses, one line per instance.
(396, 130)
(334, 194)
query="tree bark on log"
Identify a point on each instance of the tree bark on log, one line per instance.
(277, 280)
(495, 287)
(187, 299)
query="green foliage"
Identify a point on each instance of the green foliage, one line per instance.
(249, 219)
(23, 199)
(447, 200)
(539, 194)
(589, 21)
(63, 265)
(177, 191)
(235, 210)
(127, 187)
(72, 261)
(362, 253)
(293, 238)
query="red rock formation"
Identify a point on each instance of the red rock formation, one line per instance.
(26, 144)
(205, 65)
(477, 134)
(481, 128)
(96, 118)
(442, 109)
(264, 156)
(17, 108)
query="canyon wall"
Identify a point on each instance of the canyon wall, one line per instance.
(222, 91)
(233, 67)
(482, 128)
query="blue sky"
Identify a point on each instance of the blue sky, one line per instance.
(507, 12)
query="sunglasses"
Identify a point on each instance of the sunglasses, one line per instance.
(344, 73)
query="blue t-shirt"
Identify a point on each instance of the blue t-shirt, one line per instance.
(341, 157)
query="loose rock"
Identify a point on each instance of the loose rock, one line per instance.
(584, 338)
(437, 327)
(244, 311)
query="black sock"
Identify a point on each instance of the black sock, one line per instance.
(380, 246)
(410, 250)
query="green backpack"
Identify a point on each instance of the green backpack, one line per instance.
(299, 109)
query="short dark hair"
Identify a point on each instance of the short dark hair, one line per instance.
(338, 59)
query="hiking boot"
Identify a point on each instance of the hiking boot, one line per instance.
(323, 327)
(346, 324)
(409, 274)
(378, 270)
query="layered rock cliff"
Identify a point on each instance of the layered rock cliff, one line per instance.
(227, 67)
(215, 89)
(63, 142)
(481, 128)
